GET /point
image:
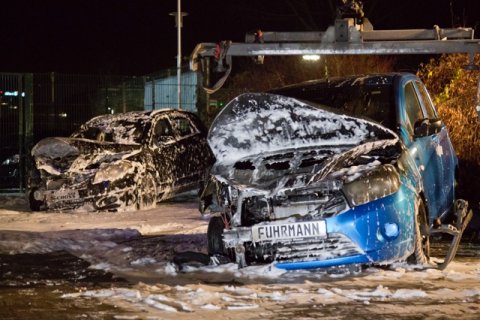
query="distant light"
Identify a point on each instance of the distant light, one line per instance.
(311, 57)
(12, 93)
(62, 114)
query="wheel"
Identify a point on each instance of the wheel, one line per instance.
(35, 205)
(421, 255)
(147, 193)
(214, 236)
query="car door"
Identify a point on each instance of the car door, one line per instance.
(422, 149)
(445, 161)
(188, 149)
(163, 147)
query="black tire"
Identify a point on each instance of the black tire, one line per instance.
(35, 205)
(421, 254)
(147, 193)
(214, 236)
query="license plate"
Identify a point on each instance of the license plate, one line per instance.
(65, 195)
(288, 231)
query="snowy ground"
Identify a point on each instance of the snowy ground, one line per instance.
(138, 246)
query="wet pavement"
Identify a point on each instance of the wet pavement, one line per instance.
(32, 285)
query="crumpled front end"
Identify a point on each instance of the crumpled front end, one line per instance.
(321, 224)
(79, 173)
(375, 232)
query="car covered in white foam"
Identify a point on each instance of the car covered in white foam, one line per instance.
(119, 162)
(345, 171)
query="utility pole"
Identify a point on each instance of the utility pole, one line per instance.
(179, 23)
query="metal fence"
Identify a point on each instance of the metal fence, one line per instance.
(62, 102)
(12, 127)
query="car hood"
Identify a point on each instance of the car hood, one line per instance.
(57, 155)
(270, 141)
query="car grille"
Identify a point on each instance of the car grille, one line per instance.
(335, 246)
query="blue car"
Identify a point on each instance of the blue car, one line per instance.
(356, 170)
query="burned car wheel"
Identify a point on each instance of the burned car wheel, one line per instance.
(421, 255)
(147, 193)
(35, 205)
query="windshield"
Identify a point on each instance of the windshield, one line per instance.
(256, 123)
(367, 97)
(125, 129)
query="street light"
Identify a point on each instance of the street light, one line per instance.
(179, 23)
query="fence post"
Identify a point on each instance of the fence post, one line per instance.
(153, 93)
(28, 127)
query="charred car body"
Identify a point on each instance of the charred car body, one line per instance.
(329, 173)
(118, 161)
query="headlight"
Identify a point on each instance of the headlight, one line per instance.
(374, 185)
(113, 171)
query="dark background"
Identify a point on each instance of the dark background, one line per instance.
(137, 37)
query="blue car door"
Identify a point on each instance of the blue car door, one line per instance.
(422, 149)
(444, 162)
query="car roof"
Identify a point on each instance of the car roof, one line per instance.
(134, 115)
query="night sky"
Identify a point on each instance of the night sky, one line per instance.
(138, 37)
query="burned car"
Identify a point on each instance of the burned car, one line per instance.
(129, 160)
(347, 171)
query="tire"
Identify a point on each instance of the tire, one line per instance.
(35, 205)
(147, 193)
(214, 236)
(421, 254)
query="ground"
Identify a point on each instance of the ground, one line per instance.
(118, 266)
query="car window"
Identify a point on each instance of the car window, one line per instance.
(426, 101)
(412, 107)
(117, 131)
(183, 126)
(163, 131)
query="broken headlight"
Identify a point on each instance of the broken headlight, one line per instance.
(255, 209)
(374, 185)
(113, 171)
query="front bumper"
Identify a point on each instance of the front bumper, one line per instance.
(92, 198)
(377, 232)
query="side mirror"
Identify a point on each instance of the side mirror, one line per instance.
(427, 127)
(420, 128)
(436, 125)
